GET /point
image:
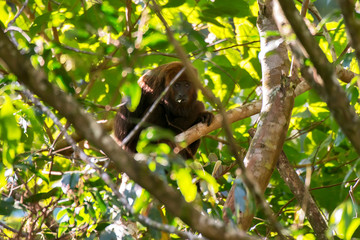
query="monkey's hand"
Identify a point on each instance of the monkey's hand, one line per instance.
(206, 117)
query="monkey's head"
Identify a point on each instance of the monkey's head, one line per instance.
(155, 80)
(182, 95)
(182, 92)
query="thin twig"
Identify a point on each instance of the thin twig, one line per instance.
(351, 194)
(12, 229)
(18, 13)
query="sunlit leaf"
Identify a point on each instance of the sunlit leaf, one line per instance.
(100, 202)
(209, 179)
(60, 214)
(343, 220)
(187, 187)
(155, 40)
(141, 201)
(10, 128)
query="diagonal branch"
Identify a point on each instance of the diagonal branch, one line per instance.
(233, 115)
(303, 196)
(37, 81)
(107, 179)
(327, 86)
(352, 24)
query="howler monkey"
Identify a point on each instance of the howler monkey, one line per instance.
(178, 110)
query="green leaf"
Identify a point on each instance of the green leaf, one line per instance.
(32, 169)
(209, 179)
(211, 20)
(10, 132)
(62, 228)
(100, 202)
(10, 129)
(142, 201)
(7, 206)
(70, 180)
(156, 133)
(39, 23)
(227, 8)
(187, 187)
(343, 220)
(101, 226)
(150, 138)
(55, 192)
(63, 212)
(3, 178)
(174, 3)
(89, 207)
(155, 40)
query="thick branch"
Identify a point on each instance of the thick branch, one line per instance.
(37, 82)
(352, 24)
(327, 86)
(233, 115)
(303, 196)
(247, 110)
(289, 175)
(278, 98)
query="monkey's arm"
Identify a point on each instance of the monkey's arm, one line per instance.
(123, 125)
(203, 116)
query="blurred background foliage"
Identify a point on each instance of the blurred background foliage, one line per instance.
(96, 50)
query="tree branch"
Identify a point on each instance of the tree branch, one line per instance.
(278, 99)
(303, 196)
(107, 179)
(352, 24)
(247, 110)
(233, 115)
(327, 86)
(37, 82)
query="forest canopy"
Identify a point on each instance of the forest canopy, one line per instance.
(280, 159)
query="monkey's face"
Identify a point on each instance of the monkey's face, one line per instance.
(182, 92)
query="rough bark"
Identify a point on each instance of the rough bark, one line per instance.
(303, 196)
(277, 104)
(352, 24)
(290, 177)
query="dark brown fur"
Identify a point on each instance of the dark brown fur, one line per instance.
(177, 111)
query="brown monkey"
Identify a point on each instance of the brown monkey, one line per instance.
(177, 111)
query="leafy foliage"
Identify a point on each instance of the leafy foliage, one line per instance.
(96, 51)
